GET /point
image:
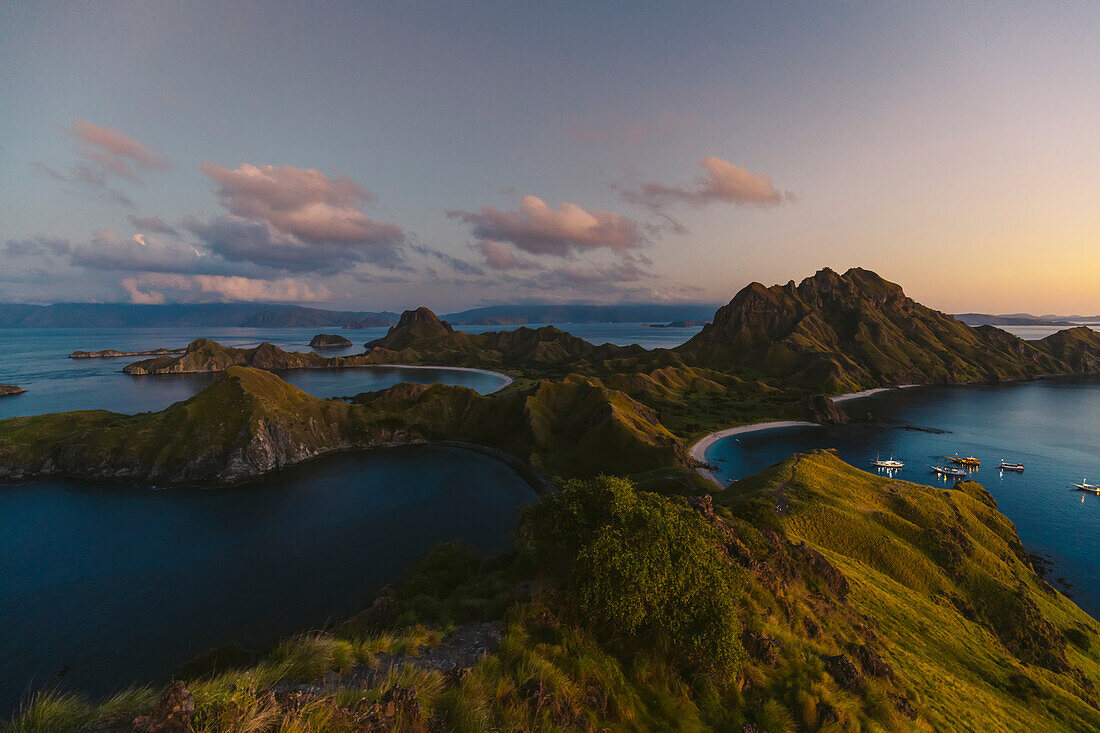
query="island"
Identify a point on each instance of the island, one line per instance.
(329, 341)
(642, 595)
(677, 324)
(114, 354)
(7, 390)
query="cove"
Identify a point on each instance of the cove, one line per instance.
(1051, 426)
(113, 585)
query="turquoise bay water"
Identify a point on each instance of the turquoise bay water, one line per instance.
(107, 585)
(1051, 426)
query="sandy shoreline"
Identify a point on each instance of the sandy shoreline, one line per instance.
(488, 372)
(698, 451)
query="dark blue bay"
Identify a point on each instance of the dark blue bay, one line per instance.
(120, 584)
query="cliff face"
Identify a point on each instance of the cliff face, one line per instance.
(247, 423)
(856, 330)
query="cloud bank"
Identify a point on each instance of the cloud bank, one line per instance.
(302, 202)
(541, 230)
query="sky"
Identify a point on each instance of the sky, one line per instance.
(455, 154)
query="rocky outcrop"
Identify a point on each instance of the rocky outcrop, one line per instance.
(114, 354)
(822, 410)
(329, 341)
(7, 390)
(171, 715)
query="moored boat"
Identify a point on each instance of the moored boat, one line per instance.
(970, 461)
(890, 465)
(1086, 486)
(1006, 466)
(949, 472)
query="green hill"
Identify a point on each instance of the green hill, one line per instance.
(245, 424)
(848, 332)
(940, 585)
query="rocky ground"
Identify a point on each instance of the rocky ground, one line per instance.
(456, 654)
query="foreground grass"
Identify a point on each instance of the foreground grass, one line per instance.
(858, 603)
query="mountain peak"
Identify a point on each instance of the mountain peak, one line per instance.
(845, 332)
(413, 326)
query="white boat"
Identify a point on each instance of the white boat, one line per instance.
(949, 472)
(1086, 486)
(1006, 466)
(890, 465)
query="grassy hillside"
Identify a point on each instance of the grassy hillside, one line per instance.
(943, 586)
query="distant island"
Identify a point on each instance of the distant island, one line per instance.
(518, 315)
(1012, 319)
(7, 390)
(113, 354)
(329, 341)
(678, 324)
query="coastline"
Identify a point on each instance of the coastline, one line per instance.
(508, 381)
(698, 450)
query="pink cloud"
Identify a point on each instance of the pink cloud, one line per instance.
(539, 229)
(114, 152)
(146, 288)
(722, 182)
(302, 202)
(500, 256)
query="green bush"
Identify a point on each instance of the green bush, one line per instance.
(639, 567)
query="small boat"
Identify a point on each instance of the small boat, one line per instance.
(949, 472)
(1006, 466)
(1086, 486)
(889, 465)
(970, 462)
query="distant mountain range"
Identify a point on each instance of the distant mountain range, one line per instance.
(266, 315)
(125, 315)
(1018, 319)
(261, 315)
(518, 315)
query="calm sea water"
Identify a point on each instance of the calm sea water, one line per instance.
(37, 360)
(116, 585)
(1051, 426)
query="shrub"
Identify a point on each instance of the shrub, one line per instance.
(639, 567)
